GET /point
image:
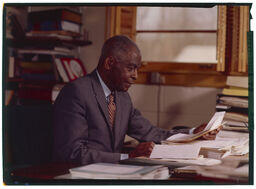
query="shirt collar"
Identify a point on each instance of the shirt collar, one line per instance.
(106, 90)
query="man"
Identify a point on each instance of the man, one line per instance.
(94, 113)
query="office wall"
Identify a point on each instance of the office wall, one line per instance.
(188, 106)
(94, 22)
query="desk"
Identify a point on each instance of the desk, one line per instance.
(47, 173)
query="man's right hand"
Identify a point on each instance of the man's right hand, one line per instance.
(143, 149)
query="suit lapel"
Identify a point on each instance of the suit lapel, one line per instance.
(100, 96)
(118, 117)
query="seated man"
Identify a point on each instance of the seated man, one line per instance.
(93, 114)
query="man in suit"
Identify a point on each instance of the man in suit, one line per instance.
(94, 113)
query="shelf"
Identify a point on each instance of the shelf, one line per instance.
(46, 42)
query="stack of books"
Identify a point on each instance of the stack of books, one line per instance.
(36, 67)
(234, 100)
(63, 23)
(119, 171)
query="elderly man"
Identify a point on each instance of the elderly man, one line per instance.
(94, 113)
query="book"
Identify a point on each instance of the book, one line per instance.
(214, 123)
(36, 66)
(35, 92)
(8, 97)
(233, 101)
(236, 117)
(235, 91)
(11, 69)
(119, 171)
(55, 26)
(60, 34)
(237, 81)
(55, 14)
(70, 68)
(228, 108)
(41, 52)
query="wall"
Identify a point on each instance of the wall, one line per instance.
(94, 22)
(188, 106)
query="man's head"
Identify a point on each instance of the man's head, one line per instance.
(119, 61)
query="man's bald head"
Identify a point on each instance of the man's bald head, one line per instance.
(120, 47)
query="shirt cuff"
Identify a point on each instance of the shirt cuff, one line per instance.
(124, 156)
(191, 130)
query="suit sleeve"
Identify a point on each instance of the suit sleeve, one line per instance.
(141, 129)
(71, 130)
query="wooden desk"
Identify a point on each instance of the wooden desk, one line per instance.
(45, 174)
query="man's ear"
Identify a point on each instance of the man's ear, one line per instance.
(109, 62)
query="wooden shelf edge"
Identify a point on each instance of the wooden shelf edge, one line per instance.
(186, 80)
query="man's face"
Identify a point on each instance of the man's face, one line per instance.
(124, 73)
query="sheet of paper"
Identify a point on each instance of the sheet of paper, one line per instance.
(215, 122)
(198, 161)
(111, 169)
(179, 137)
(175, 151)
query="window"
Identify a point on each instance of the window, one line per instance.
(186, 46)
(176, 34)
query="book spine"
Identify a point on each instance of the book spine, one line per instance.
(59, 14)
(41, 77)
(55, 26)
(39, 94)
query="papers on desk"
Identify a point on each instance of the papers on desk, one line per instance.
(217, 171)
(213, 124)
(186, 151)
(118, 171)
(226, 143)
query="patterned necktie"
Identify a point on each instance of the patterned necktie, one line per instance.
(111, 110)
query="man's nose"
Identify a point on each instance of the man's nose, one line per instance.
(135, 74)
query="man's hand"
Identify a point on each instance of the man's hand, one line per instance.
(143, 149)
(208, 136)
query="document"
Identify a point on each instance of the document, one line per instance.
(118, 171)
(213, 124)
(186, 151)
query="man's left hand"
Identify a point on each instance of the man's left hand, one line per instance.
(208, 136)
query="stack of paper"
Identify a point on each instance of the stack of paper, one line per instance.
(181, 153)
(217, 171)
(118, 171)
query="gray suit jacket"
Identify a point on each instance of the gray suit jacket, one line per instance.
(81, 124)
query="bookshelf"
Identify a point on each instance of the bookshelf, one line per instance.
(31, 79)
(31, 43)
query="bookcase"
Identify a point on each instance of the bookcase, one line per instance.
(41, 55)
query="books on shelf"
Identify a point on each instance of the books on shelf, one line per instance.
(35, 91)
(233, 101)
(237, 81)
(236, 107)
(65, 35)
(55, 14)
(235, 91)
(119, 171)
(59, 19)
(41, 51)
(55, 26)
